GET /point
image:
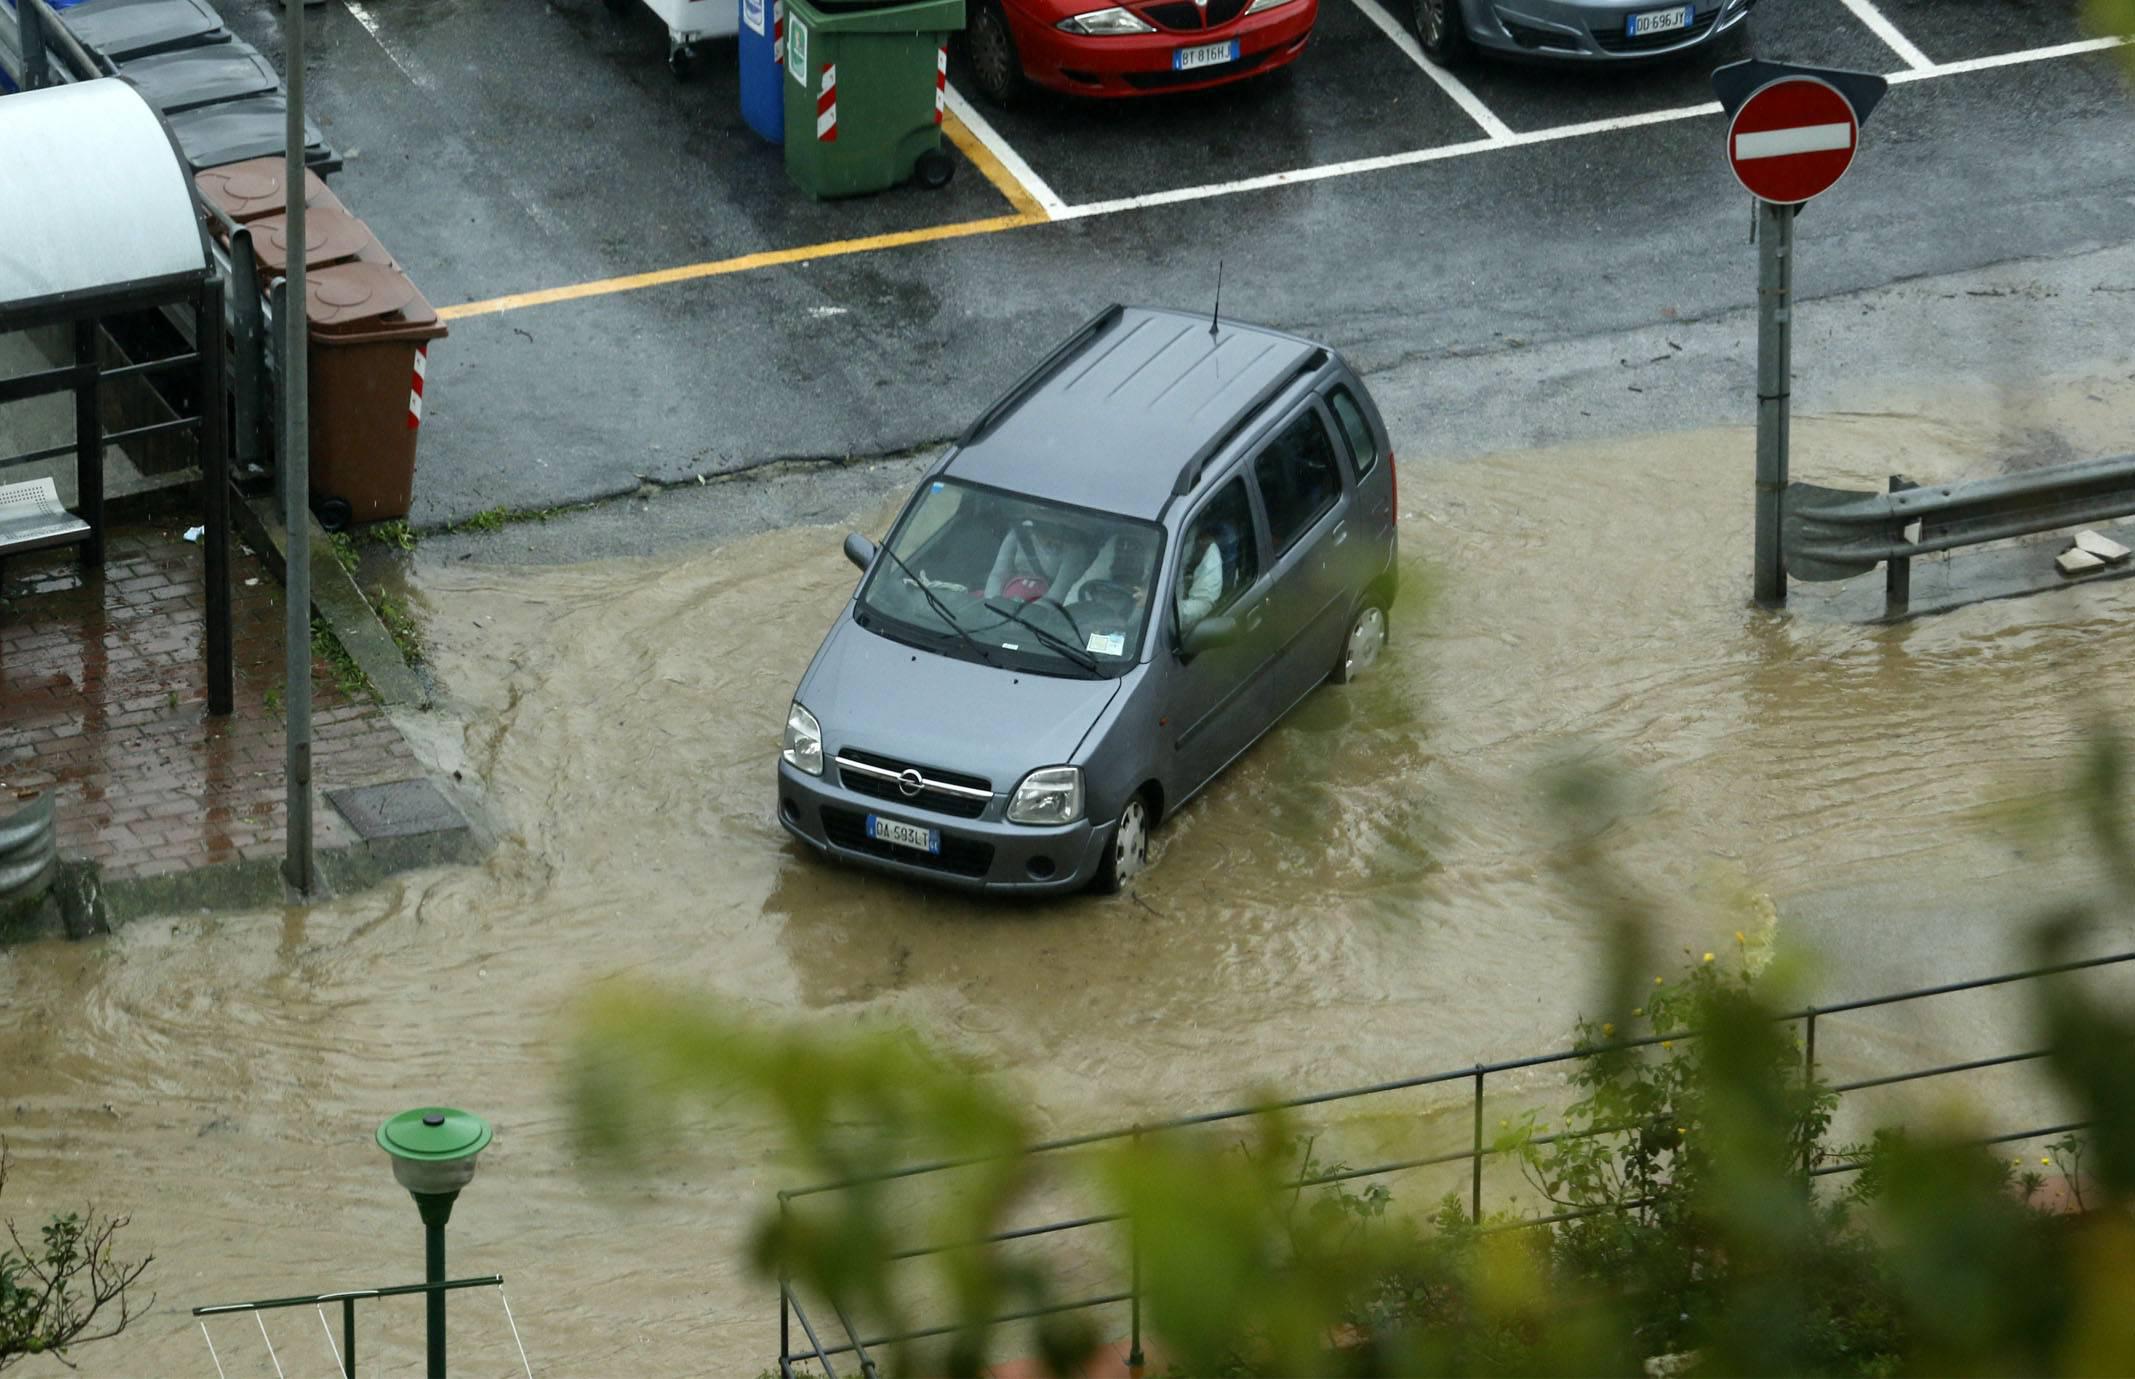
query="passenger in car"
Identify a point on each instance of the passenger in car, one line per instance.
(1034, 558)
(1203, 589)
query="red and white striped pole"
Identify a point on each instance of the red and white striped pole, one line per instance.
(941, 82)
(826, 106)
(415, 386)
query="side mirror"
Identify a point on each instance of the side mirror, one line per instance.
(859, 550)
(1207, 635)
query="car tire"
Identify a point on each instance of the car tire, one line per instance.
(1366, 639)
(1442, 30)
(1127, 851)
(996, 66)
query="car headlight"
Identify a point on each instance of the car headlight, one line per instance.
(1107, 23)
(803, 744)
(1258, 5)
(1052, 795)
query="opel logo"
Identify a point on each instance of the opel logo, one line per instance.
(909, 783)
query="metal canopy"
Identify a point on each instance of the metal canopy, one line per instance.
(100, 204)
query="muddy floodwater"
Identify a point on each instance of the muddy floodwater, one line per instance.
(1368, 894)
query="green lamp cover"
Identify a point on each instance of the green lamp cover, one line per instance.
(434, 1134)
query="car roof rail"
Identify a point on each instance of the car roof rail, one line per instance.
(1064, 351)
(1276, 387)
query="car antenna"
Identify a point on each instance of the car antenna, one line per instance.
(1217, 311)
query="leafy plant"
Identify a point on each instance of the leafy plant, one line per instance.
(58, 1292)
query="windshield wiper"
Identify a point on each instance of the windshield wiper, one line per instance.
(1060, 644)
(941, 610)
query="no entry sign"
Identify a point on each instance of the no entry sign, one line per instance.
(1792, 138)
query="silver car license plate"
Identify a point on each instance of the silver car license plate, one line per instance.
(1659, 21)
(903, 835)
(1207, 55)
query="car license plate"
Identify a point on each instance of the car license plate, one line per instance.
(903, 835)
(1207, 55)
(1659, 21)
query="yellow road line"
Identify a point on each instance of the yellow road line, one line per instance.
(1027, 212)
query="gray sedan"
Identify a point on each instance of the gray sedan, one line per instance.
(1578, 30)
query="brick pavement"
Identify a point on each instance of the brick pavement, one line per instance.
(103, 700)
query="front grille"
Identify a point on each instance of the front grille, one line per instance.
(936, 801)
(958, 856)
(1188, 17)
(1614, 40)
(1157, 81)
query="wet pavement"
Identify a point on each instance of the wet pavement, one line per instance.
(1370, 893)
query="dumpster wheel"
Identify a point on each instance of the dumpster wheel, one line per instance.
(933, 169)
(682, 61)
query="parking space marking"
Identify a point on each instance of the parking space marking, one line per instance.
(1015, 179)
(770, 258)
(409, 67)
(1981, 64)
(1882, 28)
(1036, 204)
(1453, 86)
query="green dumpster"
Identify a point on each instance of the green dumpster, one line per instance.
(864, 95)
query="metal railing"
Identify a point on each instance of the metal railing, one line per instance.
(37, 49)
(1837, 533)
(1476, 1154)
(345, 1352)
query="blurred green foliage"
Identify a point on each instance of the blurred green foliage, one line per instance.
(1687, 1210)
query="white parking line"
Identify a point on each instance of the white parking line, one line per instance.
(1513, 139)
(1882, 28)
(1496, 128)
(1981, 64)
(1011, 161)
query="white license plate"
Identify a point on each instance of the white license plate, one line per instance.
(1659, 21)
(1207, 55)
(903, 835)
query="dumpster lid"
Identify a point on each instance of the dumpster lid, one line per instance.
(190, 77)
(122, 29)
(329, 236)
(350, 294)
(98, 203)
(914, 16)
(253, 127)
(248, 190)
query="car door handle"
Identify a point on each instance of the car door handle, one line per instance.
(1252, 616)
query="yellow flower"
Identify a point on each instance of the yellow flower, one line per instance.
(1640, 1011)
(1739, 938)
(1708, 957)
(1667, 1044)
(1656, 981)
(1681, 1131)
(1608, 1030)
(2045, 1161)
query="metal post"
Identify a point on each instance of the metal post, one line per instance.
(348, 1338)
(785, 1294)
(89, 440)
(215, 493)
(1808, 1080)
(1775, 285)
(295, 318)
(1475, 1189)
(1898, 573)
(436, 1209)
(36, 69)
(1135, 1359)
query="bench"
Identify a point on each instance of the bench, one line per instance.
(33, 519)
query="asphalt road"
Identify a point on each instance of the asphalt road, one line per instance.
(500, 148)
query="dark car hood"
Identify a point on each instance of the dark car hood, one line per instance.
(902, 701)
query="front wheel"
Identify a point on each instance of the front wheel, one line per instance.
(996, 67)
(1129, 851)
(1366, 639)
(1442, 31)
(933, 170)
(682, 61)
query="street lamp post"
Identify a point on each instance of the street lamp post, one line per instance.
(433, 1149)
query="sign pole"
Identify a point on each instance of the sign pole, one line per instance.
(295, 318)
(1775, 367)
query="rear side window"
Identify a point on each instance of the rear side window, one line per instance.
(1363, 446)
(1298, 479)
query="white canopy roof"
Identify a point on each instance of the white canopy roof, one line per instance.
(94, 198)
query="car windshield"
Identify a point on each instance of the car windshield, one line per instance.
(1015, 581)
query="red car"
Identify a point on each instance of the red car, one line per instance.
(1090, 48)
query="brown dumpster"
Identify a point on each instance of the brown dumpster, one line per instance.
(257, 187)
(370, 340)
(330, 237)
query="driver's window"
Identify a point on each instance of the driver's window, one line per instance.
(1219, 557)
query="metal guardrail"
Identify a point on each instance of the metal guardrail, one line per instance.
(37, 49)
(345, 1352)
(1837, 533)
(1476, 1155)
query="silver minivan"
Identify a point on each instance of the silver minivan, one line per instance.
(1126, 571)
